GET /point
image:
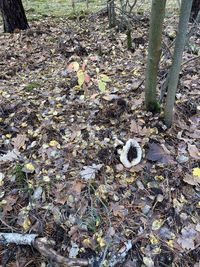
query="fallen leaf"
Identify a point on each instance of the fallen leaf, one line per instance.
(193, 151)
(9, 203)
(74, 250)
(148, 262)
(37, 193)
(105, 78)
(186, 240)
(102, 86)
(53, 143)
(10, 155)
(19, 141)
(29, 168)
(119, 210)
(26, 224)
(90, 171)
(81, 77)
(196, 172)
(77, 187)
(191, 179)
(157, 153)
(157, 224)
(73, 66)
(134, 127)
(87, 78)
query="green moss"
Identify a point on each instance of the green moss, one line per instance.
(154, 107)
(20, 176)
(32, 86)
(93, 223)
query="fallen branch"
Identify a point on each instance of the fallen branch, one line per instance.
(42, 245)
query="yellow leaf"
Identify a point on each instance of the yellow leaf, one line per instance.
(157, 224)
(159, 178)
(87, 242)
(26, 224)
(29, 167)
(105, 78)
(130, 180)
(102, 86)
(170, 243)
(46, 178)
(24, 124)
(55, 113)
(101, 242)
(81, 77)
(153, 239)
(196, 172)
(53, 143)
(8, 135)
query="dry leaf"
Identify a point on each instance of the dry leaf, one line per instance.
(193, 151)
(19, 141)
(90, 171)
(119, 210)
(134, 127)
(77, 187)
(192, 180)
(10, 156)
(187, 238)
(157, 153)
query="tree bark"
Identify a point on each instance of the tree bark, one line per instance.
(195, 9)
(13, 15)
(154, 52)
(177, 58)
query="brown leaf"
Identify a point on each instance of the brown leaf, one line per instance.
(134, 127)
(19, 141)
(10, 201)
(157, 153)
(190, 179)
(193, 151)
(119, 210)
(77, 187)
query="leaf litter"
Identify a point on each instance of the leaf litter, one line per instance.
(69, 90)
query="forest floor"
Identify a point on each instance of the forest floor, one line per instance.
(70, 90)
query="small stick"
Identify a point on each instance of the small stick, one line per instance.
(41, 244)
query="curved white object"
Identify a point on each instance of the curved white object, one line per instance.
(130, 144)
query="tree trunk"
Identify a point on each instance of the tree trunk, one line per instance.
(13, 15)
(195, 9)
(154, 52)
(111, 13)
(177, 58)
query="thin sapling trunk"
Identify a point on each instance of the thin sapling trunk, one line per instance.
(154, 52)
(177, 59)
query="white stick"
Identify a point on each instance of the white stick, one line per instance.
(19, 239)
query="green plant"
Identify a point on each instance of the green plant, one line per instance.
(93, 223)
(84, 78)
(20, 176)
(32, 86)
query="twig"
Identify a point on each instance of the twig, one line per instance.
(4, 223)
(189, 60)
(42, 245)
